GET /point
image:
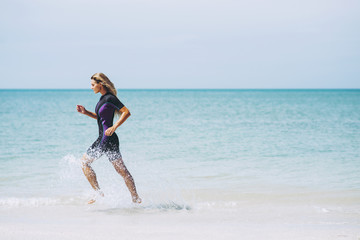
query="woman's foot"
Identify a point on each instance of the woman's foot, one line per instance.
(136, 199)
(100, 193)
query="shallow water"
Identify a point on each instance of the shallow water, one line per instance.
(247, 151)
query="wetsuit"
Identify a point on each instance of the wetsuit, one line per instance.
(108, 145)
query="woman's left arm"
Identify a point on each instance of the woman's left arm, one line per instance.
(125, 113)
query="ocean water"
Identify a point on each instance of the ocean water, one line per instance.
(259, 155)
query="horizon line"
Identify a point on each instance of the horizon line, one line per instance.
(169, 89)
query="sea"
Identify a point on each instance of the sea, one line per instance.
(208, 164)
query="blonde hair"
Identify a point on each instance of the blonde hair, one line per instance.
(105, 82)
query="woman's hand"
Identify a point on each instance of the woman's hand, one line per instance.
(80, 109)
(110, 131)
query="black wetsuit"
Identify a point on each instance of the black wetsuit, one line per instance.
(108, 145)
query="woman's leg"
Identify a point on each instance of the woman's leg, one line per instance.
(129, 181)
(90, 174)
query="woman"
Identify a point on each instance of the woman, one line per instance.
(107, 142)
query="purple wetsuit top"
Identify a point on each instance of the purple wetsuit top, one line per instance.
(109, 145)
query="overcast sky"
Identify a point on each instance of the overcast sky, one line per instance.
(181, 43)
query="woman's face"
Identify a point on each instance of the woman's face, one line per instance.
(96, 87)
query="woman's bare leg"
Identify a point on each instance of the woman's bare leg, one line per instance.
(129, 181)
(90, 175)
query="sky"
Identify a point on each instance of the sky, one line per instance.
(183, 44)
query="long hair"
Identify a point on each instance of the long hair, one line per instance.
(105, 82)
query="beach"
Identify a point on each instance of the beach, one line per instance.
(249, 221)
(208, 164)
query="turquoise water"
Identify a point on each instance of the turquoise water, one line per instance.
(187, 147)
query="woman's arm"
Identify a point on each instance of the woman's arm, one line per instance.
(125, 113)
(82, 110)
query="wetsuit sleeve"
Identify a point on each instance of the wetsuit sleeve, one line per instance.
(114, 100)
(109, 105)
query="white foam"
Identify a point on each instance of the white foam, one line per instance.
(28, 202)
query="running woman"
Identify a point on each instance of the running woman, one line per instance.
(108, 142)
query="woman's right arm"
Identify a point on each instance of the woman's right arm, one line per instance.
(82, 110)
